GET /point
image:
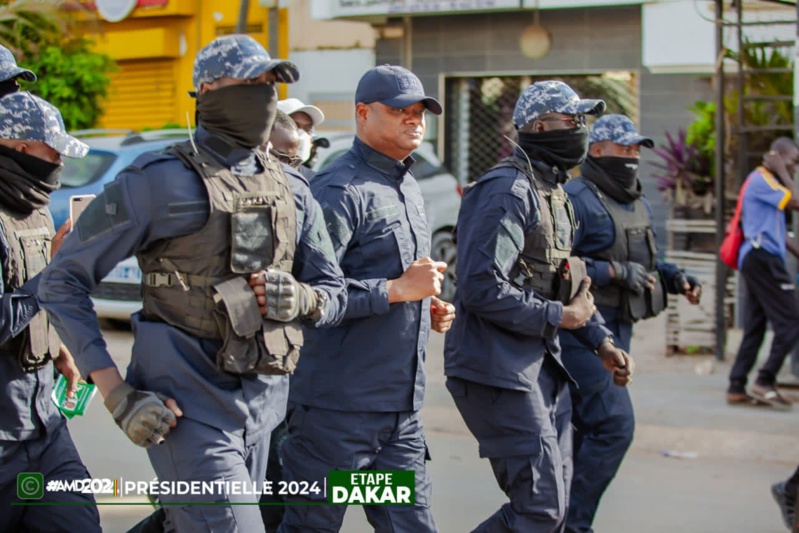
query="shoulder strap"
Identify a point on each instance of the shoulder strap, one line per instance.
(201, 162)
(736, 217)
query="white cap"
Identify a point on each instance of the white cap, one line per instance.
(293, 105)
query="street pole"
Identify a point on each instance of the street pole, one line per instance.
(795, 225)
(721, 269)
(241, 23)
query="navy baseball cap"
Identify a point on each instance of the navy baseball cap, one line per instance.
(393, 86)
(9, 68)
(552, 96)
(617, 129)
(240, 57)
(26, 117)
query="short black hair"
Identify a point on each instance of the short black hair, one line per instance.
(286, 121)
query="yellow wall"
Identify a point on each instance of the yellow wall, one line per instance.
(155, 48)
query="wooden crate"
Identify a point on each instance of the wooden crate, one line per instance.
(694, 326)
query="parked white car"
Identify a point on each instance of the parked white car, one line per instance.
(119, 294)
(442, 198)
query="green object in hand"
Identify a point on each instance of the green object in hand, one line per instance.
(76, 405)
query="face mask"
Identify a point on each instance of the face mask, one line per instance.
(564, 149)
(623, 170)
(8, 87)
(304, 150)
(243, 113)
(35, 168)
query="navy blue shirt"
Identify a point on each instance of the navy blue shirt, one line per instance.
(25, 396)
(374, 360)
(595, 232)
(501, 332)
(164, 200)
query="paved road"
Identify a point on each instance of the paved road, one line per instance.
(652, 493)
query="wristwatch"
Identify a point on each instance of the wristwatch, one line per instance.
(609, 339)
(321, 305)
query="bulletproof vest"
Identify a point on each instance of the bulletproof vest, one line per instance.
(28, 238)
(252, 225)
(550, 243)
(634, 241)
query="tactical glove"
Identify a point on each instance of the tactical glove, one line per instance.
(287, 299)
(681, 279)
(142, 415)
(631, 276)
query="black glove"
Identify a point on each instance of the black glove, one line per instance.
(631, 276)
(681, 279)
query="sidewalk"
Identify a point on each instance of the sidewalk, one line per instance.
(677, 409)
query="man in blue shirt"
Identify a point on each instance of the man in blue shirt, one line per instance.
(359, 387)
(33, 433)
(206, 380)
(770, 290)
(614, 235)
(502, 356)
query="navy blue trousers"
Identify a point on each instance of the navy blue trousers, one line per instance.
(321, 440)
(55, 457)
(603, 419)
(526, 435)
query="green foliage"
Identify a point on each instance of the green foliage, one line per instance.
(73, 78)
(45, 38)
(688, 160)
(27, 24)
(701, 133)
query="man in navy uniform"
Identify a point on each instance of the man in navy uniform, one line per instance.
(502, 356)
(614, 236)
(359, 387)
(33, 433)
(207, 374)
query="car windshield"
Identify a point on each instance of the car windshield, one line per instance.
(79, 172)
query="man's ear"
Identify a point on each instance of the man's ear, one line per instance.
(361, 111)
(22, 147)
(538, 127)
(594, 150)
(204, 88)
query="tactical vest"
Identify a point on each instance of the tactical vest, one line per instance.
(634, 241)
(29, 241)
(252, 225)
(550, 243)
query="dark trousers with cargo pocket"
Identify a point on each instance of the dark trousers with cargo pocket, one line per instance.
(321, 440)
(527, 437)
(770, 297)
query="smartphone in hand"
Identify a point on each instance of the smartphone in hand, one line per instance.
(77, 204)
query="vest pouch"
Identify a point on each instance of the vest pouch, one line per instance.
(283, 341)
(34, 351)
(239, 321)
(252, 345)
(656, 298)
(562, 219)
(647, 305)
(252, 235)
(569, 275)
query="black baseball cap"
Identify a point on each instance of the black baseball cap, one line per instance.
(394, 86)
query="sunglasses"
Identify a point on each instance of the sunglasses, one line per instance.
(576, 120)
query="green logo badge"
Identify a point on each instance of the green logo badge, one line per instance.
(30, 486)
(371, 487)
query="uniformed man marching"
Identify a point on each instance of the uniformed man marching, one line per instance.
(615, 237)
(33, 434)
(205, 377)
(358, 391)
(517, 286)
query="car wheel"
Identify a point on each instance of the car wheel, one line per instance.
(442, 248)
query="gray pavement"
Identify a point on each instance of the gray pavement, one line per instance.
(680, 408)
